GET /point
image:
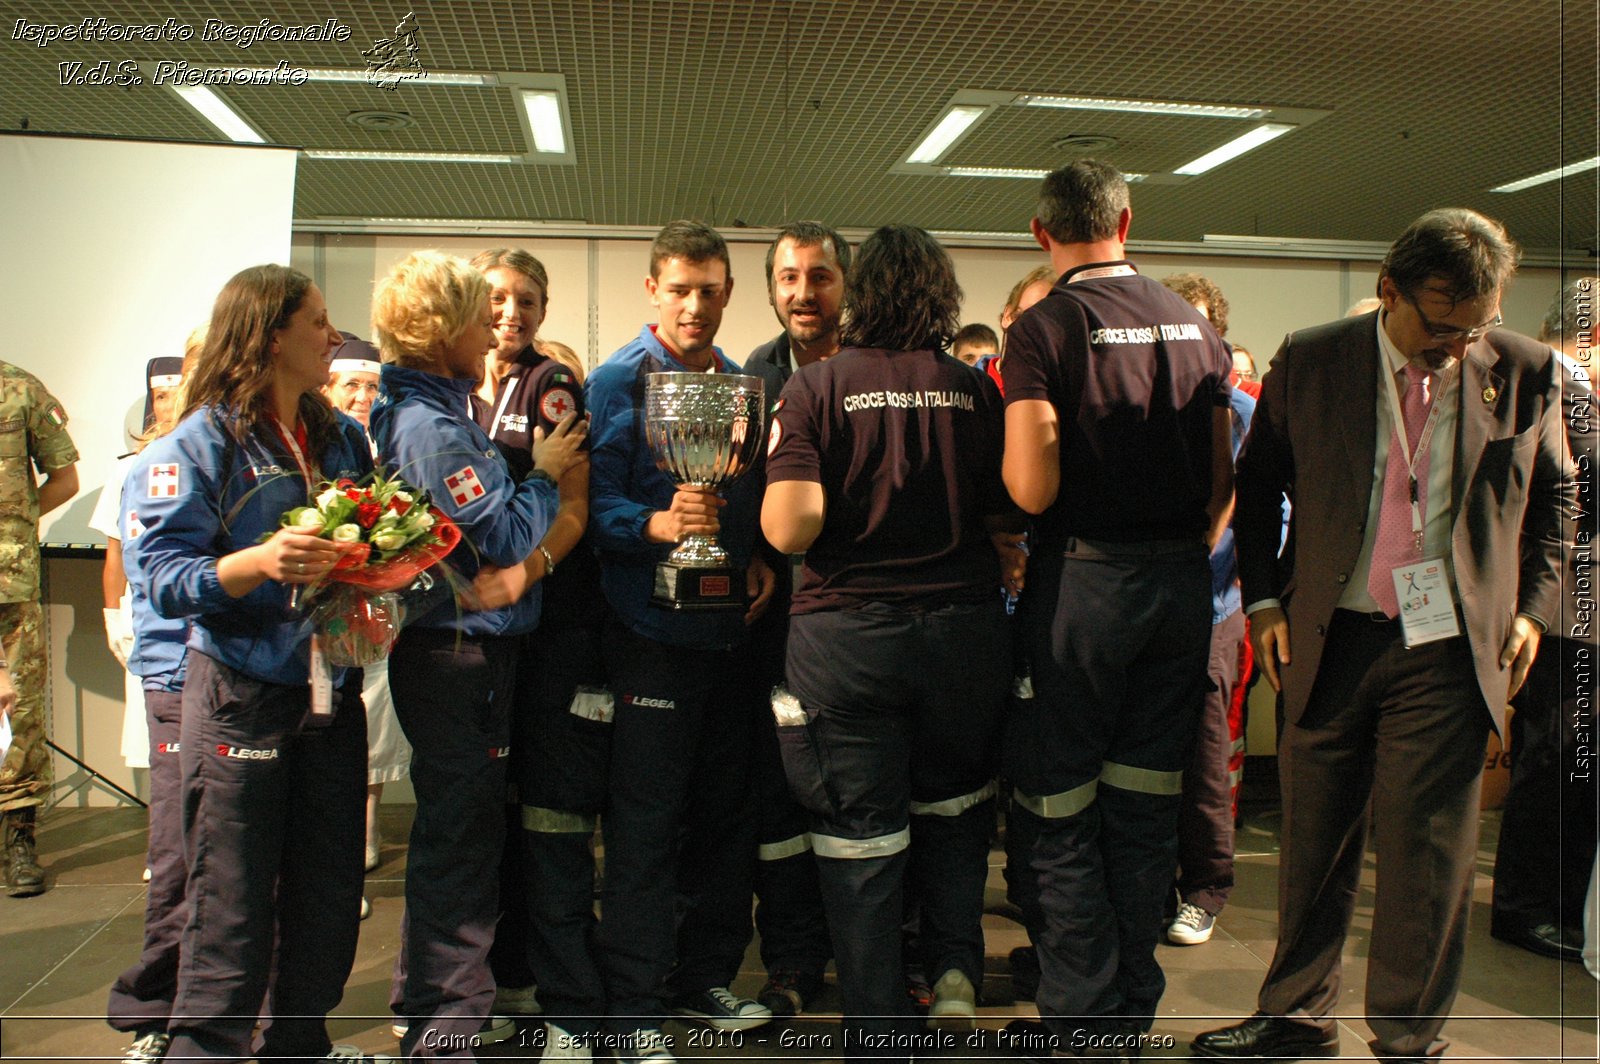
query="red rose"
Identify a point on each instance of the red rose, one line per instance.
(367, 514)
(345, 482)
(399, 506)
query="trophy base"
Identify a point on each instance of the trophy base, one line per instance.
(685, 588)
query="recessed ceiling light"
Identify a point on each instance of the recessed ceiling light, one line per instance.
(949, 129)
(216, 111)
(1557, 174)
(432, 77)
(1234, 148)
(1155, 107)
(410, 156)
(993, 171)
(1019, 172)
(544, 117)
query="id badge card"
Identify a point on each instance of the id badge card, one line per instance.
(1427, 609)
(321, 680)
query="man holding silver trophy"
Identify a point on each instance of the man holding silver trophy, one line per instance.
(673, 424)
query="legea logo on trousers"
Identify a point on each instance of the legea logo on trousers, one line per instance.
(240, 753)
(653, 703)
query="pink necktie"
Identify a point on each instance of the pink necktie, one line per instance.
(1396, 543)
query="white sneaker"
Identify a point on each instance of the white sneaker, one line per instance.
(147, 875)
(560, 1045)
(352, 1053)
(1192, 926)
(955, 1003)
(648, 1045)
(366, 908)
(495, 1029)
(147, 1049)
(374, 854)
(721, 1008)
(517, 1000)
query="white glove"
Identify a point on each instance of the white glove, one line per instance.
(119, 635)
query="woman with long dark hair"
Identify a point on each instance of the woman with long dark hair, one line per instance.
(273, 761)
(884, 468)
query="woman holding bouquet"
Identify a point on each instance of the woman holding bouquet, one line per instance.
(452, 673)
(273, 765)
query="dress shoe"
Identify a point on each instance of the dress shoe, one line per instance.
(1547, 940)
(1266, 1036)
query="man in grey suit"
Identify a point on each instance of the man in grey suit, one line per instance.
(1422, 448)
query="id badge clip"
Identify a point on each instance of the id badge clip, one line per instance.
(321, 680)
(1427, 608)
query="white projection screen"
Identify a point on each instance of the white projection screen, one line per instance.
(111, 252)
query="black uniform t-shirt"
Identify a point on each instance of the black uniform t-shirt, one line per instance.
(1134, 373)
(538, 393)
(906, 445)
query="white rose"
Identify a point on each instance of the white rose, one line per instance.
(424, 521)
(308, 519)
(389, 540)
(403, 496)
(350, 533)
(325, 500)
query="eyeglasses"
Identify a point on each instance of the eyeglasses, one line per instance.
(1446, 334)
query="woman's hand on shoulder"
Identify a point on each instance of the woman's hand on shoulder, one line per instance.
(561, 449)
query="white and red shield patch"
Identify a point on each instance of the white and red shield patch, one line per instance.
(164, 480)
(556, 404)
(464, 486)
(774, 435)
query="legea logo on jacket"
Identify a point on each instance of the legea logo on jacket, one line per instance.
(240, 753)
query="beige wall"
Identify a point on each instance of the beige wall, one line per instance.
(602, 281)
(597, 304)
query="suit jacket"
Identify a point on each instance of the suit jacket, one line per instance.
(1314, 438)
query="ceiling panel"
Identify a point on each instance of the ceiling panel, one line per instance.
(763, 110)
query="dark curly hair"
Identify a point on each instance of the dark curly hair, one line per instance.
(901, 293)
(1194, 289)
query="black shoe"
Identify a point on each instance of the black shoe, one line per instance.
(1266, 1036)
(1025, 973)
(788, 989)
(1547, 940)
(24, 877)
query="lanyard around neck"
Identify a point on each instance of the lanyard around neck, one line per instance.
(291, 441)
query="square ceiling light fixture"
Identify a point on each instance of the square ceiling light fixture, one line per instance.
(968, 108)
(540, 101)
(546, 120)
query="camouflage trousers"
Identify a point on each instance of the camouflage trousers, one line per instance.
(25, 774)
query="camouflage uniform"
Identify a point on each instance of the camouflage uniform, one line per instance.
(32, 430)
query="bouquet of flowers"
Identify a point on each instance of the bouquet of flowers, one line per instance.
(389, 536)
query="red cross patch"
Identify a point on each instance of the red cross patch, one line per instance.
(164, 481)
(464, 486)
(556, 404)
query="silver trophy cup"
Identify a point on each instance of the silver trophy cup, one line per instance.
(705, 430)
